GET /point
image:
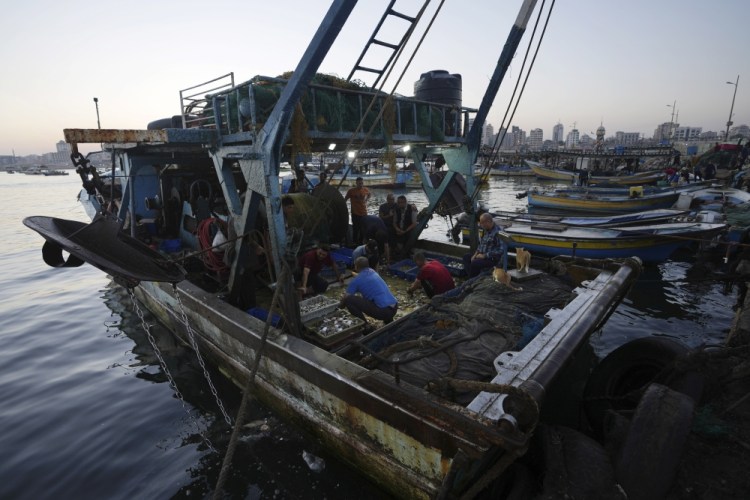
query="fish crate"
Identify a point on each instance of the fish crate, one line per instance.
(315, 307)
(343, 255)
(327, 273)
(335, 328)
(454, 265)
(404, 269)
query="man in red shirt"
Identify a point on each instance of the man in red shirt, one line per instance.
(310, 265)
(433, 277)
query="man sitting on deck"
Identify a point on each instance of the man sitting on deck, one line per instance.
(491, 250)
(433, 277)
(374, 299)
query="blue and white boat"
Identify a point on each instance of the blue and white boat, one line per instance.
(651, 243)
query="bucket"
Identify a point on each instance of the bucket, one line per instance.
(636, 191)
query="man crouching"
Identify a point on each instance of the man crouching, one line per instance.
(374, 299)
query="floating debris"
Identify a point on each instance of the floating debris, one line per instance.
(316, 464)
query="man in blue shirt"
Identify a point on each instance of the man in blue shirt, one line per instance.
(491, 249)
(374, 299)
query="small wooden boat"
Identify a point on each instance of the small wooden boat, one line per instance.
(589, 201)
(646, 177)
(714, 198)
(511, 171)
(650, 243)
(629, 219)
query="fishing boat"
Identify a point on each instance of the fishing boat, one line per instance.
(385, 180)
(505, 170)
(717, 199)
(638, 178)
(652, 243)
(629, 219)
(590, 201)
(417, 434)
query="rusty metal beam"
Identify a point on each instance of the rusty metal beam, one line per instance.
(115, 136)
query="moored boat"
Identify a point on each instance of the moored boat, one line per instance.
(628, 219)
(638, 178)
(651, 243)
(588, 201)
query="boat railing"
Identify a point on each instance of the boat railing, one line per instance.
(195, 101)
(332, 113)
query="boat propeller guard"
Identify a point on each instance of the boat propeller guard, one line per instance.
(102, 244)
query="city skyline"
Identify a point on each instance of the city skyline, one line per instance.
(630, 66)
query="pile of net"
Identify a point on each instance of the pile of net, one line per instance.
(458, 335)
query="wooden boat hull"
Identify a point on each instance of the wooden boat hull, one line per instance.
(601, 204)
(402, 437)
(566, 175)
(651, 244)
(549, 173)
(511, 171)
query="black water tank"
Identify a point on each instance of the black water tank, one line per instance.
(440, 87)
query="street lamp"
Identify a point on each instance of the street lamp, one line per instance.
(731, 110)
(405, 150)
(331, 147)
(96, 103)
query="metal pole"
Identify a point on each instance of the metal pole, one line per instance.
(671, 120)
(96, 103)
(731, 109)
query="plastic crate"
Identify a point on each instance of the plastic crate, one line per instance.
(262, 314)
(402, 268)
(316, 307)
(330, 276)
(328, 335)
(454, 265)
(342, 259)
(170, 246)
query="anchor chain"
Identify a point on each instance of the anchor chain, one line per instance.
(194, 345)
(163, 364)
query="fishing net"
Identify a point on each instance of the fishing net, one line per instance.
(459, 335)
(339, 108)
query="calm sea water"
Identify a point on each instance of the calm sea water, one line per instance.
(87, 412)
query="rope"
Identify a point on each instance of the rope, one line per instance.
(409, 32)
(214, 261)
(499, 139)
(227, 463)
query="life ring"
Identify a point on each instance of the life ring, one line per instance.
(648, 461)
(618, 381)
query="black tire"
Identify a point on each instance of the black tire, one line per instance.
(576, 466)
(162, 123)
(516, 483)
(653, 448)
(618, 381)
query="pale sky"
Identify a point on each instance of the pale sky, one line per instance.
(615, 62)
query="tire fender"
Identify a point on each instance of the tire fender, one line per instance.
(651, 453)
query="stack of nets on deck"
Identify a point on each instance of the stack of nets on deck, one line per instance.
(459, 335)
